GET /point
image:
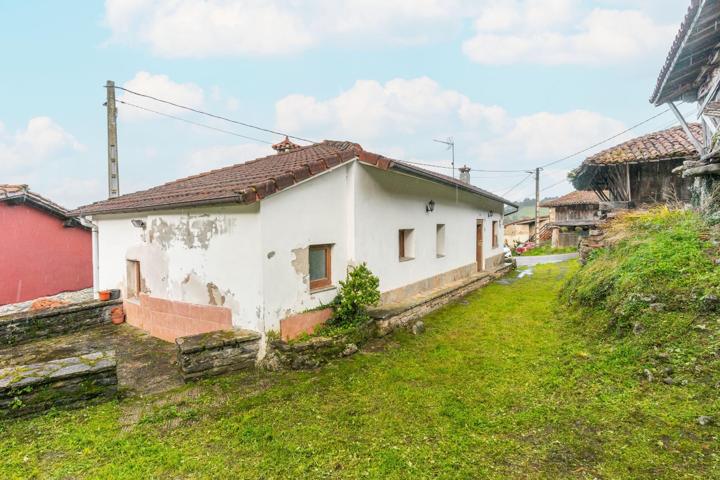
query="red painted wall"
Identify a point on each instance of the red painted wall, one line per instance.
(40, 257)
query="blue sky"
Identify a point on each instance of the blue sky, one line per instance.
(516, 83)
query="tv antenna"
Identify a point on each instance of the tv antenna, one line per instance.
(450, 146)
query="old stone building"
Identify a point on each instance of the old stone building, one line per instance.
(571, 217)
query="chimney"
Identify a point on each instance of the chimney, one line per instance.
(285, 146)
(465, 174)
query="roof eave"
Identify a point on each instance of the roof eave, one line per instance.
(405, 168)
(236, 200)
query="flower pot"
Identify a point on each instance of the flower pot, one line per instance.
(104, 295)
(114, 294)
(117, 316)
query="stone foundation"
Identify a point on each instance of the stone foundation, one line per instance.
(402, 293)
(404, 315)
(315, 351)
(34, 325)
(69, 382)
(216, 353)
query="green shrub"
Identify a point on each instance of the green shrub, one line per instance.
(359, 290)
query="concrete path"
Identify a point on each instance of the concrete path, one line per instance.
(540, 259)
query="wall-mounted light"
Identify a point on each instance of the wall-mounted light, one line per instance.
(430, 206)
(490, 214)
(137, 223)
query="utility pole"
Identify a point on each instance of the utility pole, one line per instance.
(113, 171)
(537, 205)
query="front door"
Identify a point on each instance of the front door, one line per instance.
(479, 245)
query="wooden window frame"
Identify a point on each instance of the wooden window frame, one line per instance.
(326, 281)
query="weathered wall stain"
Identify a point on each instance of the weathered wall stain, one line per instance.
(301, 262)
(214, 295)
(193, 231)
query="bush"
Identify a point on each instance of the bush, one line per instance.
(359, 291)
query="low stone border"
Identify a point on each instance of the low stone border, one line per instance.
(316, 351)
(215, 353)
(27, 326)
(69, 382)
(389, 319)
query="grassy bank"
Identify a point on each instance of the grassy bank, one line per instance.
(499, 386)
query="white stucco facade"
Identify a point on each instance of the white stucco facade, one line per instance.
(253, 259)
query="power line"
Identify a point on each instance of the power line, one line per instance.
(219, 117)
(606, 140)
(195, 123)
(517, 185)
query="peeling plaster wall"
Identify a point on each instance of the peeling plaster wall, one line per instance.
(311, 213)
(206, 256)
(253, 259)
(390, 201)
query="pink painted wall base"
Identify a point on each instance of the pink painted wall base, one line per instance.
(169, 319)
(295, 325)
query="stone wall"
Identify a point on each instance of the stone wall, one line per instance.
(391, 319)
(215, 353)
(27, 326)
(315, 351)
(69, 382)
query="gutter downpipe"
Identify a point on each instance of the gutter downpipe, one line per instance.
(95, 254)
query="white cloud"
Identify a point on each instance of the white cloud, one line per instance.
(210, 158)
(399, 119)
(371, 110)
(160, 86)
(546, 136)
(38, 141)
(552, 32)
(72, 192)
(188, 28)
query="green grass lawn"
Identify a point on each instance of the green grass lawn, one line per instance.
(499, 386)
(547, 250)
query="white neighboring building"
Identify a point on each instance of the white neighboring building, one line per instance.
(248, 245)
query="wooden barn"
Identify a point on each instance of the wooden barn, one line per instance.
(640, 171)
(571, 217)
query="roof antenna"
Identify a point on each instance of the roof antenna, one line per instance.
(450, 146)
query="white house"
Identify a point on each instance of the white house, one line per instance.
(248, 245)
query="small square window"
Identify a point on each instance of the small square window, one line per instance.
(406, 244)
(440, 240)
(320, 263)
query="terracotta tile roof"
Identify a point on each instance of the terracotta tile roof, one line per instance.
(22, 193)
(251, 181)
(662, 145)
(578, 197)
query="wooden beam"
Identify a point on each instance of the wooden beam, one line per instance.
(712, 169)
(686, 127)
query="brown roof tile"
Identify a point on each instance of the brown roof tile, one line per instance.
(578, 197)
(17, 192)
(251, 181)
(665, 144)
